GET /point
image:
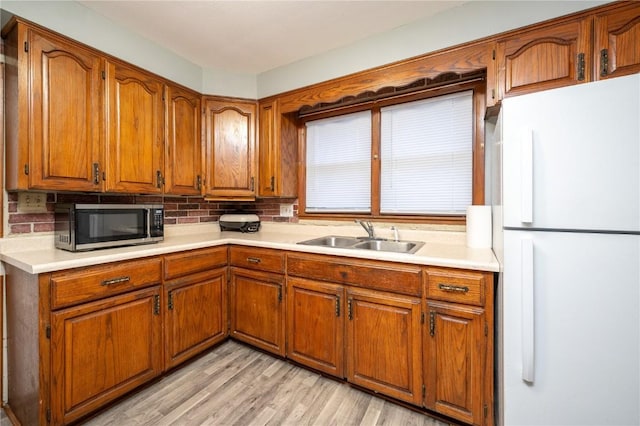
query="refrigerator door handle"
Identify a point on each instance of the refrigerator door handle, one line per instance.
(528, 316)
(526, 176)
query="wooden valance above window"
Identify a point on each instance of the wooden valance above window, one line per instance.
(369, 96)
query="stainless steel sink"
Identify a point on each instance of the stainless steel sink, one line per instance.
(365, 243)
(388, 245)
(332, 241)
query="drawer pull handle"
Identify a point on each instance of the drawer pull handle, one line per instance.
(253, 259)
(453, 288)
(116, 281)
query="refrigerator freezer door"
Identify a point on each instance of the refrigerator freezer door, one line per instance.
(575, 152)
(586, 330)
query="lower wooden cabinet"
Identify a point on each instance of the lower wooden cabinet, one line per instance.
(455, 350)
(384, 349)
(257, 309)
(79, 339)
(458, 344)
(195, 286)
(102, 350)
(315, 325)
(196, 315)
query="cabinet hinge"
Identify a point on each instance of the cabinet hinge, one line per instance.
(253, 184)
(424, 391)
(432, 323)
(580, 66)
(198, 182)
(48, 415)
(156, 305)
(273, 183)
(493, 54)
(486, 329)
(159, 179)
(170, 301)
(349, 309)
(26, 169)
(337, 306)
(96, 173)
(604, 62)
(421, 317)
(104, 75)
(47, 331)
(280, 294)
(26, 46)
(486, 411)
(493, 93)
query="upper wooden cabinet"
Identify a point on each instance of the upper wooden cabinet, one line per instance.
(77, 121)
(544, 58)
(617, 42)
(590, 47)
(135, 134)
(277, 152)
(183, 151)
(229, 162)
(54, 112)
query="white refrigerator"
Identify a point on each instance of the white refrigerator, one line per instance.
(565, 190)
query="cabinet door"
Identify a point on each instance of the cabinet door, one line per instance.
(455, 357)
(315, 325)
(66, 115)
(135, 131)
(257, 309)
(230, 149)
(277, 152)
(196, 315)
(183, 165)
(617, 42)
(384, 349)
(102, 350)
(544, 58)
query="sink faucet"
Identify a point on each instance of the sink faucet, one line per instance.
(396, 237)
(368, 226)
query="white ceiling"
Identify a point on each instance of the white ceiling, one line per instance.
(251, 37)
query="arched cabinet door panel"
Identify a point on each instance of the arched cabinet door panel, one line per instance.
(135, 131)
(617, 38)
(230, 164)
(556, 56)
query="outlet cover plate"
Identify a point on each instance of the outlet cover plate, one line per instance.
(32, 202)
(286, 210)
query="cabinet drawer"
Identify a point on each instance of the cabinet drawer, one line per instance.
(397, 278)
(190, 262)
(72, 287)
(257, 258)
(455, 285)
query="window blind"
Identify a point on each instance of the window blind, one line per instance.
(339, 164)
(426, 156)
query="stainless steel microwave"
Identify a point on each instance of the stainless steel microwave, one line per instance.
(80, 227)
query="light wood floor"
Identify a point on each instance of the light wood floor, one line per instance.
(236, 385)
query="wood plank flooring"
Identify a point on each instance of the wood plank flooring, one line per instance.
(236, 385)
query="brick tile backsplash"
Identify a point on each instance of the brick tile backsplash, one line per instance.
(178, 210)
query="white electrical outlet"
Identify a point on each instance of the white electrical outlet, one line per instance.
(286, 210)
(32, 202)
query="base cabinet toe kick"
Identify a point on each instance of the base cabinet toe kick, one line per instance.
(81, 338)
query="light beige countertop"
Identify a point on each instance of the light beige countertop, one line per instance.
(37, 254)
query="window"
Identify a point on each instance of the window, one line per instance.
(426, 156)
(415, 156)
(339, 164)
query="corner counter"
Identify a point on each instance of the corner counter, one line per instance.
(36, 255)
